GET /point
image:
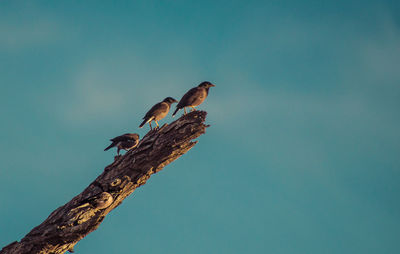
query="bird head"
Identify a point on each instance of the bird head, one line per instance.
(206, 84)
(170, 100)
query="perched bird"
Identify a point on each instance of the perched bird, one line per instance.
(126, 142)
(194, 97)
(158, 112)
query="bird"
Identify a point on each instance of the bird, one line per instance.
(126, 142)
(194, 97)
(158, 112)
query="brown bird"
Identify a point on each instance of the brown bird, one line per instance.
(194, 97)
(126, 142)
(158, 112)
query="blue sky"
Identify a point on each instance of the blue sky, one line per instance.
(302, 155)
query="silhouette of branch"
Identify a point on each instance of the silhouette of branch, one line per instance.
(71, 222)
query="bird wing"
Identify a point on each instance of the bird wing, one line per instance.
(120, 138)
(157, 109)
(129, 144)
(191, 97)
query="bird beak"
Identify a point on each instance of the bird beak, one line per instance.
(212, 85)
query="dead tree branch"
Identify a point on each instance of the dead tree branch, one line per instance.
(71, 222)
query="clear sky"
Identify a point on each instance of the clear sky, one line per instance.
(303, 152)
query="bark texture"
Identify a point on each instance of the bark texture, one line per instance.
(83, 214)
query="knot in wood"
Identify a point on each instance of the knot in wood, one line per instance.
(116, 182)
(103, 201)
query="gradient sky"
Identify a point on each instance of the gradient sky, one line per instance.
(303, 152)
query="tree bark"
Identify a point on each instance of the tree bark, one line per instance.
(71, 222)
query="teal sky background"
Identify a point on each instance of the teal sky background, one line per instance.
(303, 152)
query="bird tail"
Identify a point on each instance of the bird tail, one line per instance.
(108, 147)
(143, 123)
(176, 110)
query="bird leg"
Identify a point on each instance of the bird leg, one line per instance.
(118, 150)
(150, 126)
(193, 109)
(157, 124)
(184, 109)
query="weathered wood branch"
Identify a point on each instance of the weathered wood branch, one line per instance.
(83, 214)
